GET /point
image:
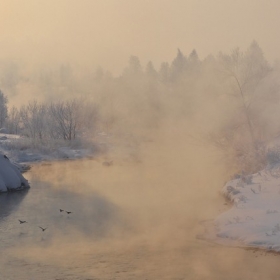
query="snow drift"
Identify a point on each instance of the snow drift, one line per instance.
(10, 176)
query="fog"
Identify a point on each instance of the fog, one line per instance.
(178, 95)
(137, 218)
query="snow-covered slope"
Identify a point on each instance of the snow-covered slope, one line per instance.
(10, 176)
(253, 219)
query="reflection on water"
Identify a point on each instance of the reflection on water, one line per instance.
(128, 221)
(9, 202)
(63, 213)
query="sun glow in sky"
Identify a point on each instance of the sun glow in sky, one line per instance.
(107, 32)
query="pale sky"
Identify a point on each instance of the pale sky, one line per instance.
(107, 32)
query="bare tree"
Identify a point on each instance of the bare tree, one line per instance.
(66, 118)
(245, 72)
(3, 109)
(32, 117)
(13, 121)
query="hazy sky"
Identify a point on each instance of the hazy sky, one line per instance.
(107, 32)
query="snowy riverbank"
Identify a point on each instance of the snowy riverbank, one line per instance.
(23, 151)
(253, 219)
(17, 153)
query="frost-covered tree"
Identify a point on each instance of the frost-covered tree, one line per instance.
(65, 119)
(246, 70)
(33, 119)
(54, 121)
(13, 121)
(245, 74)
(3, 109)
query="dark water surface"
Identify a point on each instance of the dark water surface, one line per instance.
(128, 221)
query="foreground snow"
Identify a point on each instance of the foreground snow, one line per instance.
(253, 219)
(10, 176)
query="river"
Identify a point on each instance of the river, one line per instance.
(136, 219)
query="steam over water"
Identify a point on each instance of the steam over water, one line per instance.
(135, 219)
(101, 68)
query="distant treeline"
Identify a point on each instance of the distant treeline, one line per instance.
(231, 100)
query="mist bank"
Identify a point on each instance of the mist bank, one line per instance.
(228, 100)
(138, 217)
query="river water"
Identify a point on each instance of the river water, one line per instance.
(136, 219)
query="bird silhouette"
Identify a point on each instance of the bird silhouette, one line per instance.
(43, 229)
(61, 210)
(68, 212)
(22, 222)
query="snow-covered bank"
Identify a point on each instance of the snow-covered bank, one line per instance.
(22, 150)
(16, 153)
(253, 219)
(10, 176)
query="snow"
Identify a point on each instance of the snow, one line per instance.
(21, 152)
(253, 220)
(10, 176)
